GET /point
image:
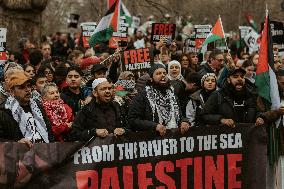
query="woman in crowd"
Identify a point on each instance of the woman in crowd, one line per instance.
(175, 77)
(174, 71)
(184, 61)
(48, 71)
(198, 99)
(254, 58)
(250, 70)
(59, 113)
(29, 70)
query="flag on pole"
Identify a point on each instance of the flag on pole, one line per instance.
(110, 3)
(267, 87)
(251, 21)
(108, 24)
(216, 33)
(126, 13)
(266, 81)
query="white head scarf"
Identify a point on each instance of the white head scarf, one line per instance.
(179, 77)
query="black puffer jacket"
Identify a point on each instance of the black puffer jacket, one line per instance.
(222, 104)
(140, 116)
(10, 130)
(97, 116)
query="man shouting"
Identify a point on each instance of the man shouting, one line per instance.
(233, 103)
(156, 107)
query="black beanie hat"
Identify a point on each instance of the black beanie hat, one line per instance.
(155, 67)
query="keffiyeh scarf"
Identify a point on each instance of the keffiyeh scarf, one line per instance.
(3, 91)
(165, 106)
(36, 95)
(31, 124)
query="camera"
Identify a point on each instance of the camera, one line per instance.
(122, 43)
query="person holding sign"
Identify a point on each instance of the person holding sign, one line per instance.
(156, 107)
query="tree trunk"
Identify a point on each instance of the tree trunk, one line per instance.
(22, 18)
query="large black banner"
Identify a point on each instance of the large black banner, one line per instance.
(205, 157)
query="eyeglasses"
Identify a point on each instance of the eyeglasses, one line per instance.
(220, 60)
(184, 59)
(47, 72)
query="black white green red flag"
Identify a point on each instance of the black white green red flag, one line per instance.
(266, 81)
(108, 24)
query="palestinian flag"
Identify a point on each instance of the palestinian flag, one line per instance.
(126, 13)
(251, 21)
(268, 89)
(266, 81)
(108, 24)
(217, 33)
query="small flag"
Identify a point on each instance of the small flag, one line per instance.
(251, 21)
(216, 33)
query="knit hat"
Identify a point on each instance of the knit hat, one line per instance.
(98, 67)
(154, 67)
(207, 75)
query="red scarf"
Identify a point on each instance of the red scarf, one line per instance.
(55, 111)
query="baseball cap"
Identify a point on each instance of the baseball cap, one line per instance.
(232, 71)
(17, 79)
(98, 67)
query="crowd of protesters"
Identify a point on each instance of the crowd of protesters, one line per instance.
(60, 91)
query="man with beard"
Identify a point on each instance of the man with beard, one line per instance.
(73, 94)
(233, 103)
(21, 118)
(101, 116)
(156, 107)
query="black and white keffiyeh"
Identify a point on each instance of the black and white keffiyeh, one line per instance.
(165, 106)
(36, 95)
(31, 124)
(3, 91)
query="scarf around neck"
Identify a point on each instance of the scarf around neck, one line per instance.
(55, 111)
(165, 106)
(31, 124)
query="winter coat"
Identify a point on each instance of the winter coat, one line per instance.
(59, 115)
(193, 108)
(97, 116)
(206, 69)
(10, 130)
(140, 116)
(181, 93)
(221, 105)
(74, 101)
